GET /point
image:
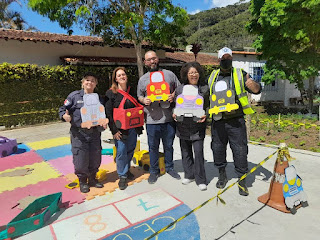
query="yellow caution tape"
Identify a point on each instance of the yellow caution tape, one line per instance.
(32, 112)
(264, 144)
(217, 196)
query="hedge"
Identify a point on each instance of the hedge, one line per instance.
(28, 88)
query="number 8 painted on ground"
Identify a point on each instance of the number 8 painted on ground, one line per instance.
(97, 222)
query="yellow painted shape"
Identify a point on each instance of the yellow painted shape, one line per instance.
(292, 181)
(54, 142)
(229, 93)
(221, 100)
(41, 172)
(199, 101)
(286, 188)
(298, 182)
(128, 114)
(180, 100)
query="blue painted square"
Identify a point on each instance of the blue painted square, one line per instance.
(186, 229)
(22, 148)
(55, 152)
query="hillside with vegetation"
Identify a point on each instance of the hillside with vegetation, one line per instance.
(220, 27)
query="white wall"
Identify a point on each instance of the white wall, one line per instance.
(42, 53)
(283, 90)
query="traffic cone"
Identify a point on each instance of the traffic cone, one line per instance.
(274, 198)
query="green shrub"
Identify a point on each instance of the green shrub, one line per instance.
(252, 138)
(262, 139)
(291, 145)
(28, 88)
(302, 143)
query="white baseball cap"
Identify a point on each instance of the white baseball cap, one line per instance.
(224, 51)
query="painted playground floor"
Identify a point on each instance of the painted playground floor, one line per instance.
(45, 167)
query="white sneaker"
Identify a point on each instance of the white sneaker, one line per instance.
(202, 187)
(186, 181)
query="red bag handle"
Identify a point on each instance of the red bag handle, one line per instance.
(129, 97)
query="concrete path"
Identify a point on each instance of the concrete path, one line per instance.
(241, 217)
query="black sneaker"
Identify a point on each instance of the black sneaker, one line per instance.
(243, 190)
(93, 182)
(123, 183)
(84, 187)
(153, 178)
(130, 176)
(174, 174)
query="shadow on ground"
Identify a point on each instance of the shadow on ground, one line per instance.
(213, 173)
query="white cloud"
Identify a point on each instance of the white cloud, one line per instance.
(223, 3)
(195, 11)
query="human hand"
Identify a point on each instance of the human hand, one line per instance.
(171, 97)
(174, 117)
(252, 85)
(202, 119)
(67, 116)
(146, 101)
(117, 135)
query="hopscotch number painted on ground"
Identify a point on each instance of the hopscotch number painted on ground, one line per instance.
(93, 223)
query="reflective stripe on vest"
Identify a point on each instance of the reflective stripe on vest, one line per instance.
(239, 87)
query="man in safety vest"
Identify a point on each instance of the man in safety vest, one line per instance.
(228, 105)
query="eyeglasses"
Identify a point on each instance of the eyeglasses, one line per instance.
(193, 73)
(151, 59)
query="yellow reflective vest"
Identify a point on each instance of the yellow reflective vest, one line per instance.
(239, 88)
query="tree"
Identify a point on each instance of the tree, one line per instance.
(11, 19)
(289, 39)
(158, 22)
(196, 48)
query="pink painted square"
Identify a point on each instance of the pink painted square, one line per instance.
(65, 166)
(19, 160)
(10, 199)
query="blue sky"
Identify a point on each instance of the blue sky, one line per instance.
(43, 24)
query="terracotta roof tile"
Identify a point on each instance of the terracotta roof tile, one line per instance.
(21, 35)
(106, 60)
(202, 58)
(246, 53)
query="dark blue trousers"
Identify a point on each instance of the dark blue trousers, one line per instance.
(166, 132)
(233, 131)
(86, 150)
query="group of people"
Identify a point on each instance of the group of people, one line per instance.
(161, 124)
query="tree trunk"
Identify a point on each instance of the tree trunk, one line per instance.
(138, 48)
(310, 93)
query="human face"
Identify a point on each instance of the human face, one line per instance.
(121, 77)
(226, 62)
(151, 61)
(89, 84)
(193, 76)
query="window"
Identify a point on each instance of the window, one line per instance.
(256, 70)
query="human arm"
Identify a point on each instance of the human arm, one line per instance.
(109, 106)
(252, 85)
(64, 114)
(141, 93)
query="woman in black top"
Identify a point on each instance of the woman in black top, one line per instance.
(125, 140)
(192, 133)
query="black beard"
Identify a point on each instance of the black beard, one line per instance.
(152, 69)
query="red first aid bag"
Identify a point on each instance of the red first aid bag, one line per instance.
(131, 117)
